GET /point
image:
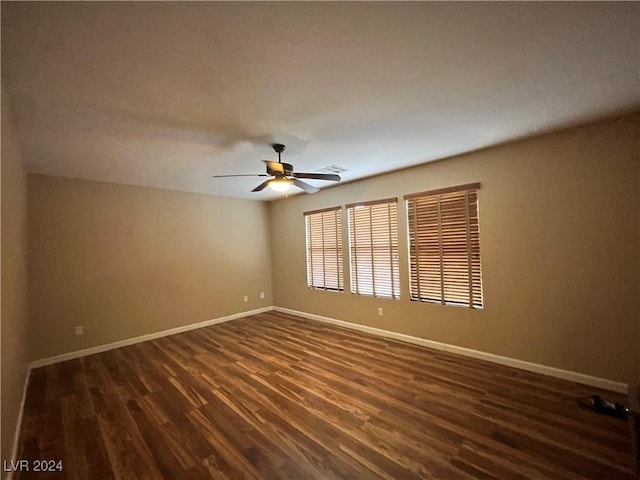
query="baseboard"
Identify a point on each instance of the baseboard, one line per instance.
(490, 357)
(143, 338)
(16, 434)
(507, 361)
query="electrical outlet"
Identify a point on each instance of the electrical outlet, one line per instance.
(261, 294)
(79, 331)
(380, 312)
(246, 298)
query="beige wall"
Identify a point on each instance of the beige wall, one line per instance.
(125, 261)
(559, 223)
(13, 310)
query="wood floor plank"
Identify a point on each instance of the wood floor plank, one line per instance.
(274, 396)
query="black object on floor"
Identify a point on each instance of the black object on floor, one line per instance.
(616, 409)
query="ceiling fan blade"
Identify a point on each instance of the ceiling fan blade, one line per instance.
(243, 175)
(274, 167)
(319, 176)
(304, 186)
(261, 186)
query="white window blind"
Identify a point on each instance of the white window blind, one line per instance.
(444, 246)
(324, 249)
(373, 248)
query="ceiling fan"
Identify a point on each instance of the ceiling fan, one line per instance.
(284, 176)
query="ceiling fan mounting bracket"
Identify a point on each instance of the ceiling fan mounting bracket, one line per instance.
(278, 147)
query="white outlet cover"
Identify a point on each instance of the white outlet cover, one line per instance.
(79, 330)
(246, 298)
(261, 294)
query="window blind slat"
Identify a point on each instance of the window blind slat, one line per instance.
(444, 246)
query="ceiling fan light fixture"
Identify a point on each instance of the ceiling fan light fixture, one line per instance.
(280, 184)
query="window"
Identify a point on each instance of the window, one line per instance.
(324, 249)
(373, 248)
(444, 246)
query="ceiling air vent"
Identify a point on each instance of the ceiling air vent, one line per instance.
(333, 169)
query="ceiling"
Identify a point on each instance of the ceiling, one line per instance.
(168, 94)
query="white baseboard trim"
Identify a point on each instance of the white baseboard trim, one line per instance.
(143, 338)
(16, 433)
(490, 357)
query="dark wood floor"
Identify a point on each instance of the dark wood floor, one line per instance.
(276, 397)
